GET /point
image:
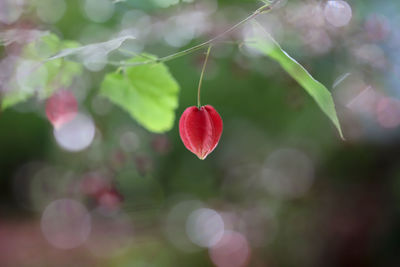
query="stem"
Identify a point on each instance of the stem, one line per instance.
(262, 10)
(202, 75)
(119, 70)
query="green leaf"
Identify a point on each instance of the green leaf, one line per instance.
(264, 43)
(32, 76)
(149, 93)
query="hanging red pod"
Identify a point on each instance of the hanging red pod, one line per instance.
(200, 129)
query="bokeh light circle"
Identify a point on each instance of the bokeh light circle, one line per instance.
(110, 235)
(66, 223)
(129, 141)
(388, 112)
(338, 13)
(51, 11)
(10, 10)
(76, 134)
(205, 227)
(99, 10)
(232, 250)
(175, 222)
(288, 173)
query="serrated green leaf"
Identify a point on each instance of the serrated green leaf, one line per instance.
(149, 93)
(33, 76)
(263, 42)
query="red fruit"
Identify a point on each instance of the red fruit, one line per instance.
(93, 183)
(161, 144)
(110, 199)
(144, 164)
(200, 129)
(61, 108)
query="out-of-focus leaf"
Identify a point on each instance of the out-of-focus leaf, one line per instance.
(20, 36)
(149, 93)
(32, 76)
(263, 42)
(100, 49)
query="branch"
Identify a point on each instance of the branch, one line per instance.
(262, 10)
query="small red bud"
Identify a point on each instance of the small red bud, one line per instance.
(110, 199)
(200, 129)
(61, 108)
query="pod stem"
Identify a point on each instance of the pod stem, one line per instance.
(202, 76)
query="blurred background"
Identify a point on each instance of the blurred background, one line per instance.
(281, 188)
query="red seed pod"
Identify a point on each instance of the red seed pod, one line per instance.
(200, 129)
(110, 199)
(61, 108)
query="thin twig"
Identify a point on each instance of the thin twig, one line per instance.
(264, 9)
